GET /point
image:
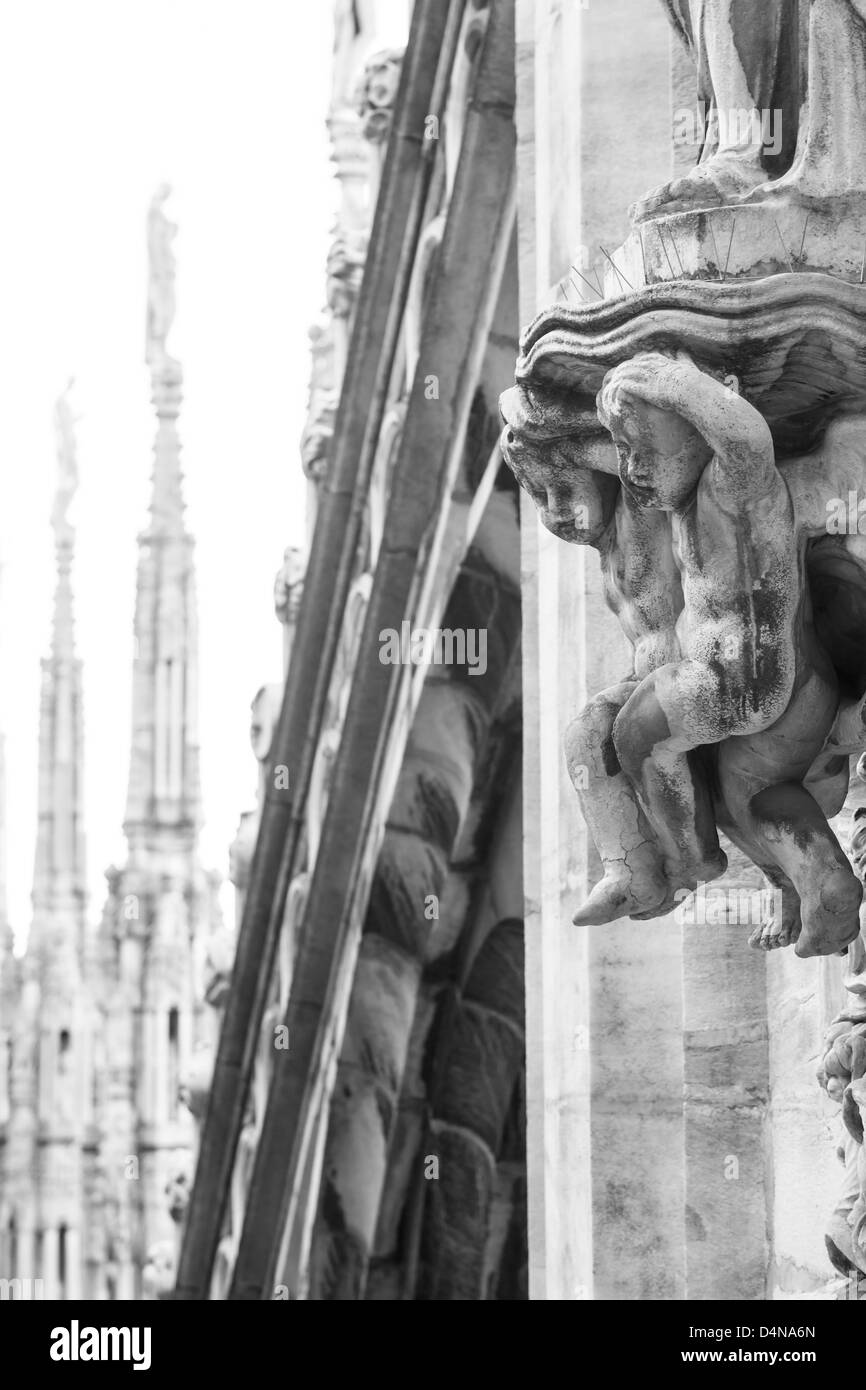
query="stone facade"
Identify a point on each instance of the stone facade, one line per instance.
(363, 1137)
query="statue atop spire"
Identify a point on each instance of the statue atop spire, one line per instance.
(163, 782)
(161, 275)
(59, 880)
(67, 463)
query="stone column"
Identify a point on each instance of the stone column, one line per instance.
(51, 1261)
(726, 1076)
(604, 1008)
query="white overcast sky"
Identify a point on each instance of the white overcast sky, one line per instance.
(100, 101)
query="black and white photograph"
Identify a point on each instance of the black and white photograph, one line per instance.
(432, 671)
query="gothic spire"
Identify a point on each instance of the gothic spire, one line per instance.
(164, 780)
(60, 877)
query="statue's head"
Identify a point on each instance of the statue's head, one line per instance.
(558, 454)
(661, 454)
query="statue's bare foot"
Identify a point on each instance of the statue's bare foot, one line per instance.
(831, 915)
(723, 180)
(781, 925)
(622, 895)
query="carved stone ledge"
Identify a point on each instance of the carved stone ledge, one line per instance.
(731, 244)
(796, 343)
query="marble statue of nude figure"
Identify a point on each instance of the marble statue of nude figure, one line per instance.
(753, 677)
(569, 467)
(702, 556)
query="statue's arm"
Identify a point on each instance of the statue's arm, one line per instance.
(744, 465)
(734, 430)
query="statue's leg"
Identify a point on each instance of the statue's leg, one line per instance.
(747, 64)
(780, 925)
(827, 782)
(655, 751)
(793, 826)
(633, 881)
(831, 157)
(761, 780)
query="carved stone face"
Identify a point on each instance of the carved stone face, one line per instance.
(574, 500)
(557, 453)
(661, 456)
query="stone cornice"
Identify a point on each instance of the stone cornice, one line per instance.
(795, 341)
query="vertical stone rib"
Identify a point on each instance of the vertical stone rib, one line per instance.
(481, 1062)
(429, 806)
(431, 798)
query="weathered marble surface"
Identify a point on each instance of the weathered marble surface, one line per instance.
(748, 61)
(761, 684)
(742, 284)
